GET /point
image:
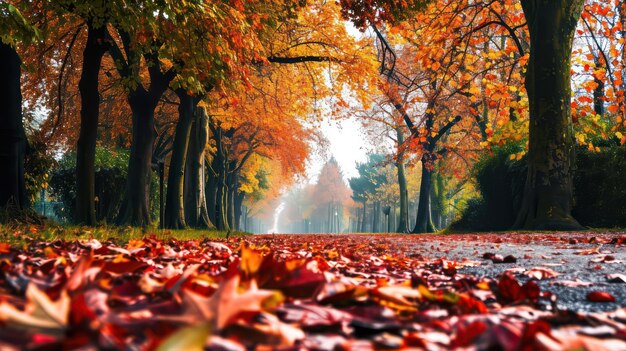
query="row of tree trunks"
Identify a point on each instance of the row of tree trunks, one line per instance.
(217, 186)
(12, 136)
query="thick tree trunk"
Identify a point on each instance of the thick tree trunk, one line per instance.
(85, 211)
(403, 225)
(12, 135)
(135, 208)
(196, 213)
(548, 194)
(174, 203)
(423, 221)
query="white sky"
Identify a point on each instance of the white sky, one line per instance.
(346, 142)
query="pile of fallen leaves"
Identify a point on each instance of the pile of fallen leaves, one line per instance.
(282, 292)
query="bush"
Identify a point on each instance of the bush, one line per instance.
(598, 190)
(110, 180)
(501, 183)
(475, 217)
(37, 165)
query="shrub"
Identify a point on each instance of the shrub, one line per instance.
(110, 180)
(598, 190)
(37, 165)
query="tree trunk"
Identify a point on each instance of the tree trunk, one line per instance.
(437, 199)
(423, 221)
(403, 226)
(548, 193)
(221, 209)
(222, 197)
(376, 217)
(174, 203)
(231, 181)
(363, 218)
(85, 211)
(211, 193)
(135, 208)
(196, 213)
(238, 204)
(12, 135)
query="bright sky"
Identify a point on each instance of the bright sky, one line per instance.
(346, 142)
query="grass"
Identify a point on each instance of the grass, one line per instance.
(19, 235)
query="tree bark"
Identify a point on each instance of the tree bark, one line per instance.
(221, 186)
(12, 135)
(231, 181)
(85, 211)
(211, 193)
(403, 225)
(135, 208)
(174, 203)
(238, 204)
(424, 222)
(363, 217)
(548, 193)
(196, 213)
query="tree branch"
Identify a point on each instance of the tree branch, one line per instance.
(301, 59)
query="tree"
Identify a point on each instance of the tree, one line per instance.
(14, 30)
(548, 193)
(88, 86)
(365, 189)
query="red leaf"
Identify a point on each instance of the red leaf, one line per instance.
(123, 267)
(466, 335)
(510, 289)
(531, 330)
(600, 296)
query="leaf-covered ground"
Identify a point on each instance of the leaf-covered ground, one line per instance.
(514, 291)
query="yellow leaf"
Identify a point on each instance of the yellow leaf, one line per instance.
(191, 338)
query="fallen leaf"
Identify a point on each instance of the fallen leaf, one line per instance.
(571, 283)
(616, 278)
(540, 273)
(192, 338)
(600, 296)
(40, 313)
